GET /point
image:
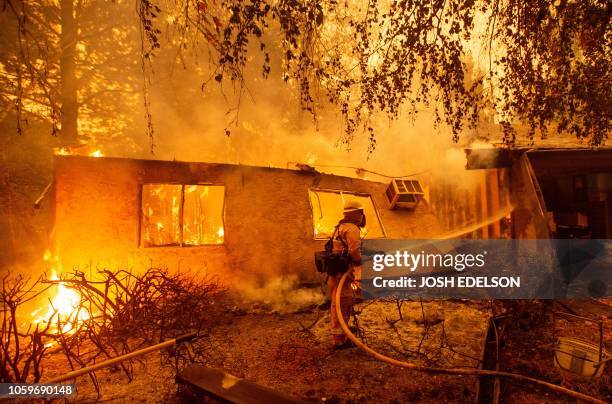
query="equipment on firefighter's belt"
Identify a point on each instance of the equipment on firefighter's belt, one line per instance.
(330, 262)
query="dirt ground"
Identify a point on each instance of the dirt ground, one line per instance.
(291, 353)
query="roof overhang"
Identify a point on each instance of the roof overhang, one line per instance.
(587, 159)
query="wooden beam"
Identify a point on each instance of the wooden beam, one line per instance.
(220, 385)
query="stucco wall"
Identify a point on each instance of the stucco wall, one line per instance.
(268, 219)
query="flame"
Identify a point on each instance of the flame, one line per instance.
(477, 144)
(66, 151)
(64, 302)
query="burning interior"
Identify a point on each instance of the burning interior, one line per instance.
(181, 215)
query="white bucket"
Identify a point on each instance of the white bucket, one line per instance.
(579, 357)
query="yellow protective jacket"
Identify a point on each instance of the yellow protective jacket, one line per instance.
(351, 235)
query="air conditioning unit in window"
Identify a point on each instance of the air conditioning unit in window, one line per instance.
(404, 194)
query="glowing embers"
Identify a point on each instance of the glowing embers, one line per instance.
(327, 210)
(182, 215)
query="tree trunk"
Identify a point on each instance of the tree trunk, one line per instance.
(68, 89)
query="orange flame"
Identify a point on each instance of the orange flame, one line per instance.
(64, 303)
(63, 151)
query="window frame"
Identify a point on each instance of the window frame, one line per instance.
(183, 185)
(339, 191)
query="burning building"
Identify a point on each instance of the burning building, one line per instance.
(212, 218)
(221, 219)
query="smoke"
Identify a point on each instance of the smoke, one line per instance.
(281, 294)
(262, 123)
(271, 130)
(264, 126)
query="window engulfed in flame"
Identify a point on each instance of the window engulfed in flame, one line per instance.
(327, 210)
(161, 214)
(182, 215)
(203, 215)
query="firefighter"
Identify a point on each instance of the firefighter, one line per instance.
(350, 234)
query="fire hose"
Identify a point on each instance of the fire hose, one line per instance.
(109, 362)
(451, 371)
(79, 372)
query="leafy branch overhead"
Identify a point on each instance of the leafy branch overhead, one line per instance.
(73, 67)
(544, 64)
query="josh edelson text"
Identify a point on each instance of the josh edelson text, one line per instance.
(431, 268)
